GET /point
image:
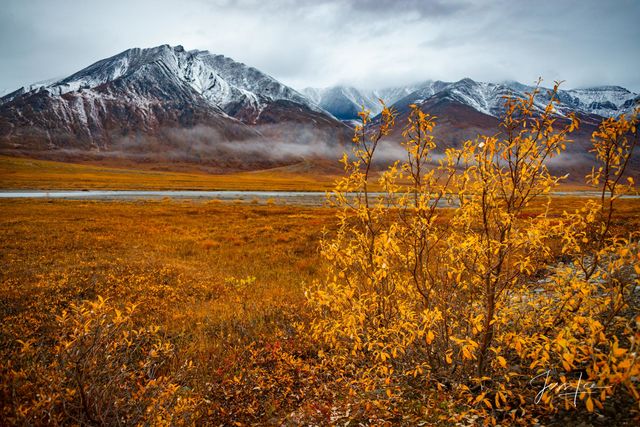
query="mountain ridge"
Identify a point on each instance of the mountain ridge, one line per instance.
(170, 105)
(486, 97)
(163, 101)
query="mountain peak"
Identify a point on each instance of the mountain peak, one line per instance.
(604, 88)
(220, 80)
(164, 103)
(466, 81)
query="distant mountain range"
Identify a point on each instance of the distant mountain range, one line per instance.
(345, 102)
(466, 109)
(172, 107)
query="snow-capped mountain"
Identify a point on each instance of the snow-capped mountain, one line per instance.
(603, 101)
(488, 98)
(235, 88)
(485, 97)
(172, 104)
(344, 102)
(148, 94)
(466, 109)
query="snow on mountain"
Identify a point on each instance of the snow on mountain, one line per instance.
(488, 98)
(423, 92)
(342, 101)
(392, 94)
(345, 102)
(466, 109)
(631, 104)
(601, 100)
(484, 97)
(165, 100)
(223, 82)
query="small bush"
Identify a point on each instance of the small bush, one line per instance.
(103, 369)
(473, 300)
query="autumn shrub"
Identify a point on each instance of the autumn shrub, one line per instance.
(228, 309)
(103, 368)
(448, 278)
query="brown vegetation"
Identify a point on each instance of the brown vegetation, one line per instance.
(206, 283)
(23, 173)
(180, 313)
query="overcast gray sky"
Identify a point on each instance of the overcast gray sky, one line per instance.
(365, 43)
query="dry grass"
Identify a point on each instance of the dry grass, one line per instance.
(181, 262)
(22, 173)
(116, 249)
(189, 267)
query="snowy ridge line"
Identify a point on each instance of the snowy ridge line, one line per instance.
(488, 98)
(221, 81)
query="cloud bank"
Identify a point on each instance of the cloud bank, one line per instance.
(367, 43)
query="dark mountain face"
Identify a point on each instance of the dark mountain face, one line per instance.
(154, 103)
(340, 106)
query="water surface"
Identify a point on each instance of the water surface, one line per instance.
(314, 198)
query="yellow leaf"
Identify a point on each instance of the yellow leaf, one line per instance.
(625, 364)
(502, 361)
(617, 351)
(589, 405)
(430, 336)
(466, 354)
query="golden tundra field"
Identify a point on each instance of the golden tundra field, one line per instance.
(462, 294)
(217, 287)
(220, 281)
(223, 282)
(23, 173)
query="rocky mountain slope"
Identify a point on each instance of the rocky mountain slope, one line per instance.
(166, 104)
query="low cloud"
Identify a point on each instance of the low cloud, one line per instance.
(273, 145)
